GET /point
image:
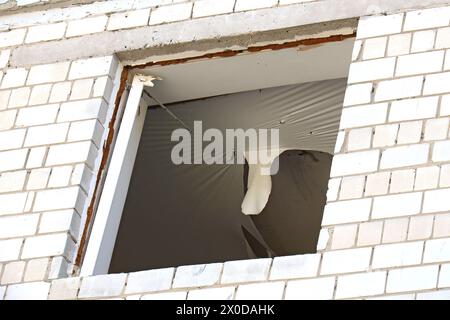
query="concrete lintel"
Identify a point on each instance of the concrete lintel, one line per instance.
(210, 33)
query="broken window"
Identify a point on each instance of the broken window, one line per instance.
(180, 214)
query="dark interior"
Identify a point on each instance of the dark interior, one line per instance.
(191, 214)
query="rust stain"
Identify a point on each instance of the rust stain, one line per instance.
(106, 152)
(231, 53)
(123, 80)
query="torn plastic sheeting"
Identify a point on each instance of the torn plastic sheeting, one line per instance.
(189, 214)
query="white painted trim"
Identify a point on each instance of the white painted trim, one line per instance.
(109, 212)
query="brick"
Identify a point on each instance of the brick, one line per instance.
(37, 115)
(409, 132)
(412, 279)
(64, 289)
(261, 291)
(86, 26)
(86, 130)
(346, 211)
(40, 94)
(358, 94)
(60, 176)
(14, 78)
(436, 129)
(413, 109)
(419, 63)
(59, 221)
(377, 183)
(310, 289)
(444, 276)
(427, 18)
(175, 295)
(441, 151)
(374, 48)
(426, 178)
(19, 97)
(298, 266)
(130, 19)
(359, 139)
(379, 25)
(108, 285)
(371, 70)
(437, 250)
(18, 226)
(420, 227)
(4, 97)
(48, 73)
(360, 285)
(435, 295)
(12, 203)
(245, 5)
(324, 237)
(402, 181)
(38, 178)
(171, 13)
(12, 139)
(333, 189)
(204, 8)
(404, 156)
(91, 67)
(222, 293)
(352, 187)
(399, 44)
(399, 88)
(36, 270)
(82, 176)
(197, 275)
(437, 83)
(149, 281)
(12, 181)
(370, 233)
(28, 291)
(46, 32)
(12, 160)
(58, 268)
(4, 58)
(60, 92)
(49, 134)
(72, 153)
(357, 49)
(396, 205)
(354, 163)
(66, 198)
(344, 237)
(82, 110)
(423, 41)
(444, 180)
(13, 272)
(103, 87)
(441, 226)
(12, 38)
(81, 89)
(395, 230)
(397, 255)
(2, 292)
(7, 119)
(442, 38)
(344, 261)
(47, 246)
(10, 249)
(363, 115)
(385, 135)
(246, 270)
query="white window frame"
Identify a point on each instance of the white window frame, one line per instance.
(109, 212)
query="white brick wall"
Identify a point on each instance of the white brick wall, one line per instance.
(387, 200)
